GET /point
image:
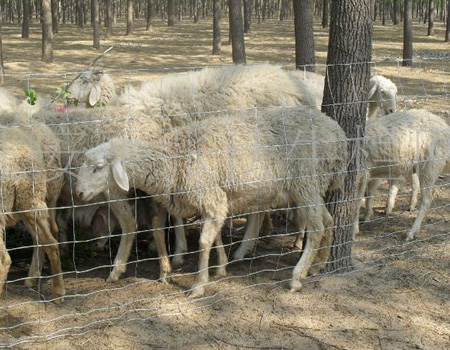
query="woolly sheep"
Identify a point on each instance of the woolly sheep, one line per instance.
(399, 143)
(30, 185)
(93, 87)
(229, 164)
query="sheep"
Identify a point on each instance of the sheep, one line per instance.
(382, 96)
(402, 142)
(93, 88)
(30, 183)
(229, 164)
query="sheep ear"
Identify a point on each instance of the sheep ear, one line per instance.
(372, 91)
(120, 176)
(94, 95)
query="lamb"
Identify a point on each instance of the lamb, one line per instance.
(402, 142)
(229, 164)
(30, 186)
(382, 96)
(93, 88)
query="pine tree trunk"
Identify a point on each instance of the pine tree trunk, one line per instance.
(430, 17)
(2, 67)
(396, 10)
(109, 18)
(217, 35)
(26, 19)
(407, 34)
(47, 33)
(96, 24)
(149, 15)
(237, 32)
(447, 31)
(247, 16)
(325, 14)
(130, 17)
(304, 35)
(170, 13)
(345, 97)
(55, 16)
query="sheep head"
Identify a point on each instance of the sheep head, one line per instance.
(101, 169)
(384, 93)
(88, 87)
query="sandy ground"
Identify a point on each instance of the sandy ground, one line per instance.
(396, 298)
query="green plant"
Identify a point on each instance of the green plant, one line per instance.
(31, 95)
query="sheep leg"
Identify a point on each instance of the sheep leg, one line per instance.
(360, 196)
(267, 225)
(180, 242)
(159, 221)
(414, 192)
(222, 258)
(49, 244)
(372, 186)
(124, 214)
(254, 222)
(427, 196)
(313, 239)
(211, 228)
(37, 261)
(323, 254)
(300, 224)
(5, 259)
(393, 190)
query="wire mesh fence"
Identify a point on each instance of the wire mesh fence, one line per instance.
(111, 269)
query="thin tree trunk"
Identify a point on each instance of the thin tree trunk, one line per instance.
(345, 96)
(396, 10)
(47, 33)
(217, 35)
(430, 17)
(149, 15)
(247, 16)
(170, 13)
(55, 15)
(96, 24)
(130, 17)
(304, 35)
(447, 31)
(237, 32)
(2, 67)
(109, 18)
(325, 14)
(26, 19)
(407, 34)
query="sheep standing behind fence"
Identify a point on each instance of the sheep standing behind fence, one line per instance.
(402, 142)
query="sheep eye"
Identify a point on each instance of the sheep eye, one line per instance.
(97, 167)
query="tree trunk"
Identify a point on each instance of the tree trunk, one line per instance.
(396, 10)
(170, 13)
(149, 15)
(96, 24)
(447, 31)
(2, 67)
(80, 7)
(325, 14)
(109, 18)
(26, 19)
(407, 34)
(47, 33)
(130, 17)
(247, 15)
(237, 32)
(430, 17)
(55, 15)
(217, 35)
(345, 96)
(304, 35)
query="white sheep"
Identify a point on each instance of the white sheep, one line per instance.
(31, 181)
(382, 96)
(93, 87)
(230, 164)
(402, 142)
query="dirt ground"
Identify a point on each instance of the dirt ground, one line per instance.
(398, 296)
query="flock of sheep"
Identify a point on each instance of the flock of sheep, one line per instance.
(214, 143)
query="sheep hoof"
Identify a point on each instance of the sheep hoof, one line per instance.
(409, 238)
(29, 282)
(296, 286)
(221, 271)
(177, 260)
(196, 292)
(238, 255)
(112, 278)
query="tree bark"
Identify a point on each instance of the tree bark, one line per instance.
(109, 18)
(447, 31)
(47, 33)
(430, 17)
(55, 15)
(396, 10)
(170, 13)
(407, 34)
(2, 67)
(345, 96)
(96, 24)
(304, 35)
(26, 19)
(149, 14)
(217, 35)
(325, 14)
(237, 32)
(247, 15)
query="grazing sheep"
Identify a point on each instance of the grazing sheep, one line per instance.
(30, 183)
(402, 142)
(93, 88)
(382, 96)
(226, 165)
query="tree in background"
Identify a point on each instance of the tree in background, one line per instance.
(96, 24)
(407, 34)
(396, 11)
(325, 13)
(47, 33)
(247, 15)
(345, 96)
(237, 32)
(130, 17)
(430, 17)
(26, 19)
(217, 35)
(149, 14)
(447, 32)
(55, 16)
(2, 67)
(304, 35)
(170, 13)
(108, 18)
